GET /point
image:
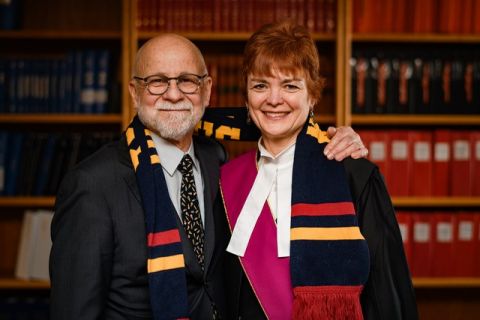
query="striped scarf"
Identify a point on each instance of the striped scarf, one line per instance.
(165, 261)
(329, 259)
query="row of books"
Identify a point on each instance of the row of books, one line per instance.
(9, 14)
(79, 82)
(34, 163)
(427, 163)
(34, 246)
(233, 15)
(425, 16)
(412, 83)
(441, 244)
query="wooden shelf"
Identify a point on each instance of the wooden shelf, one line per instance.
(61, 118)
(416, 37)
(446, 282)
(443, 202)
(60, 35)
(415, 119)
(226, 36)
(27, 201)
(7, 283)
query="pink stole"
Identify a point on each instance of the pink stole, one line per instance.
(269, 275)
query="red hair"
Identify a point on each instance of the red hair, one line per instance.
(286, 47)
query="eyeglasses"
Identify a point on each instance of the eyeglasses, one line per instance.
(158, 84)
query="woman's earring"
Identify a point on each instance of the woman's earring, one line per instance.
(312, 115)
(249, 121)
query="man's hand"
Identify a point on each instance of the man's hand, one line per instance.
(344, 142)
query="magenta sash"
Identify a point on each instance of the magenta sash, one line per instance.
(269, 275)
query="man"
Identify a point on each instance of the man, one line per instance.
(101, 265)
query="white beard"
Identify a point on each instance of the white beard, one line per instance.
(171, 126)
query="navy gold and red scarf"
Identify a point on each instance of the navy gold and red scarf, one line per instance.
(165, 261)
(329, 259)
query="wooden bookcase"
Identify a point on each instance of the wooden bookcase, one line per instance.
(115, 23)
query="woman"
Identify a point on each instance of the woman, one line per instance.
(311, 238)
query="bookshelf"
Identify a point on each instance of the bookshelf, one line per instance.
(114, 24)
(440, 297)
(50, 29)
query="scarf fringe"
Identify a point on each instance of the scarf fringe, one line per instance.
(327, 303)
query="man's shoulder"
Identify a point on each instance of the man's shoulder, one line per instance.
(212, 147)
(104, 161)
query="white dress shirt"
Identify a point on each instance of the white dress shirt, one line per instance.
(170, 157)
(273, 183)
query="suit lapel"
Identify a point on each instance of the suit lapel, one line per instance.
(210, 175)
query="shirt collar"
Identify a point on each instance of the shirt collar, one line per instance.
(283, 157)
(170, 156)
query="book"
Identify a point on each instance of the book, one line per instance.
(441, 163)
(26, 246)
(475, 162)
(422, 244)
(466, 244)
(101, 83)
(43, 245)
(10, 14)
(400, 163)
(461, 154)
(421, 163)
(3, 159)
(443, 244)
(34, 246)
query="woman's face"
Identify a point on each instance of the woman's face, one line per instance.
(279, 105)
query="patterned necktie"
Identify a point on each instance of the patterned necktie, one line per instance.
(192, 221)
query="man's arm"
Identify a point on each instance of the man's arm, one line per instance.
(344, 142)
(81, 256)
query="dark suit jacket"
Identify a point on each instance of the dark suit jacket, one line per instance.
(98, 259)
(388, 293)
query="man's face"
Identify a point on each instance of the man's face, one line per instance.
(174, 114)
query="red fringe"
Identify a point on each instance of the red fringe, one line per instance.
(327, 303)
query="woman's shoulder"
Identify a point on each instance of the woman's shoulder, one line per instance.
(240, 161)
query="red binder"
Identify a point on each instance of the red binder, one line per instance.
(400, 166)
(421, 157)
(441, 163)
(443, 244)
(475, 162)
(377, 143)
(404, 219)
(460, 173)
(422, 244)
(477, 244)
(466, 244)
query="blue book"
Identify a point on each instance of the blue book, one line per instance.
(77, 74)
(45, 165)
(3, 158)
(53, 86)
(9, 14)
(102, 81)
(87, 96)
(12, 86)
(3, 85)
(13, 161)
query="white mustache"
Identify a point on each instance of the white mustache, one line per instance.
(184, 105)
